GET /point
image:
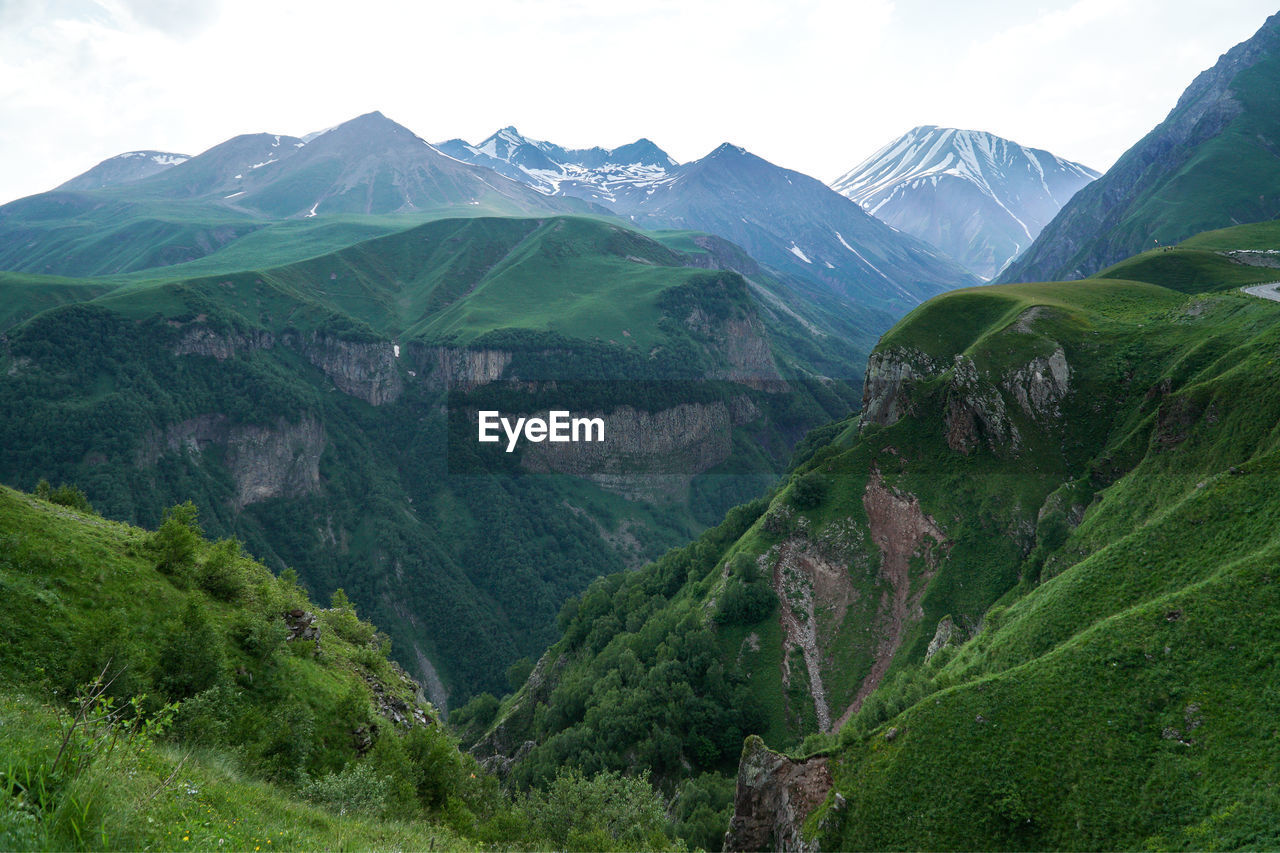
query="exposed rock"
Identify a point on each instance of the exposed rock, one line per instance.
(278, 461)
(454, 367)
(885, 391)
(742, 343)
(364, 370)
(282, 460)
(901, 530)
(941, 638)
(1041, 385)
(301, 625)
(811, 574)
(201, 340)
(641, 447)
(394, 708)
(505, 738)
(500, 765)
(976, 411)
(774, 796)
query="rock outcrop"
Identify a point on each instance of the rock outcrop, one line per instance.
(280, 460)
(643, 451)
(775, 794)
(975, 411)
(886, 390)
(1041, 385)
(364, 370)
(443, 368)
(201, 340)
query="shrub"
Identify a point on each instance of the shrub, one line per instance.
(607, 811)
(174, 544)
(809, 490)
(190, 658)
(222, 575)
(358, 789)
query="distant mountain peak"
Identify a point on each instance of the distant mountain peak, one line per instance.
(977, 196)
(728, 148)
(125, 168)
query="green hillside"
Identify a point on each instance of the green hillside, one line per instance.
(158, 690)
(303, 407)
(1021, 602)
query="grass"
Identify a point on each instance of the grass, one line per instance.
(147, 796)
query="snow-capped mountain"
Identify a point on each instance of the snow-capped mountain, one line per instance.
(797, 225)
(787, 220)
(123, 169)
(602, 175)
(978, 197)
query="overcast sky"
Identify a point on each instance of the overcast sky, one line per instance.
(808, 84)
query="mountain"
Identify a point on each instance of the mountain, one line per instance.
(786, 220)
(124, 168)
(1041, 557)
(596, 174)
(1212, 163)
(979, 198)
(369, 164)
(796, 224)
(256, 183)
(317, 410)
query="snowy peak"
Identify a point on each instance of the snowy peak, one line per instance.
(977, 196)
(602, 175)
(928, 151)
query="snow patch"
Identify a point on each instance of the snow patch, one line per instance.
(795, 250)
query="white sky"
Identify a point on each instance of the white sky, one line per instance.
(813, 85)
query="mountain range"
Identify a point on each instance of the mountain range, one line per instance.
(977, 197)
(786, 220)
(877, 561)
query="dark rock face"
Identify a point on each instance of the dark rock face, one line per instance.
(266, 461)
(775, 794)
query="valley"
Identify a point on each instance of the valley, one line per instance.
(358, 491)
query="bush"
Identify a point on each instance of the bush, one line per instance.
(358, 789)
(190, 659)
(174, 544)
(222, 576)
(607, 811)
(809, 491)
(64, 495)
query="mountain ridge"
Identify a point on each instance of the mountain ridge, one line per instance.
(1210, 163)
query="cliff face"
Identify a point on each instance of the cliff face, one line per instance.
(364, 370)
(201, 340)
(775, 794)
(452, 367)
(281, 460)
(647, 454)
(885, 391)
(741, 343)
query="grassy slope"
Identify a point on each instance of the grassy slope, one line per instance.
(1104, 645)
(80, 591)
(1121, 701)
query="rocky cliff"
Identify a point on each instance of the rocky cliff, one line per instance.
(775, 794)
(279, 460)
(365, 370)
